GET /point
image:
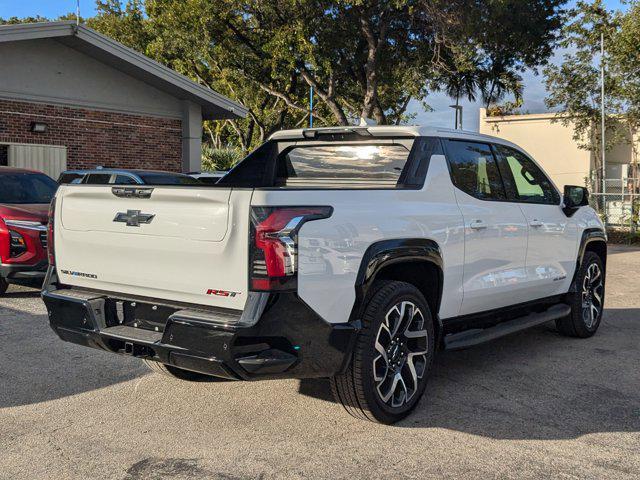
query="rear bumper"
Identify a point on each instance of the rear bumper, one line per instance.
(288, 340)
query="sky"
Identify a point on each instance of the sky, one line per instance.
(441, 116)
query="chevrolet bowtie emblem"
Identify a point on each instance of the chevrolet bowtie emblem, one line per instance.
(133, 218)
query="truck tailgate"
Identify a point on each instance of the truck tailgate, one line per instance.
(186, 244)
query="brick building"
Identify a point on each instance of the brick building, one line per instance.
(73, 98)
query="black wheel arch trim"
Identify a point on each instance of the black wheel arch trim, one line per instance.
(384, 253)
(590, 235)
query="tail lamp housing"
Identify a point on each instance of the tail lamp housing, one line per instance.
(273, 245)
(50, 227)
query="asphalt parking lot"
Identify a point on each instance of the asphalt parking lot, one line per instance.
(533, 405)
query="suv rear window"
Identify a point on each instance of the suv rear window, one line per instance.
(332, 165)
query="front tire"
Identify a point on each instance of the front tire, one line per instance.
(587, 303)
(392, 357)
(3, 286)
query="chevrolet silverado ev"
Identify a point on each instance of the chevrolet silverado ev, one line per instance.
(352, 253)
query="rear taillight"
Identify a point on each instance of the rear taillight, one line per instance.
(274, 245)
(52, 214)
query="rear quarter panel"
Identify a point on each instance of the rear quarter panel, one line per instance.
(330, 251)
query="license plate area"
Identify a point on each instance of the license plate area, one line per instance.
(132, 313)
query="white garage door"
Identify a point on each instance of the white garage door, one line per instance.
(48, 159)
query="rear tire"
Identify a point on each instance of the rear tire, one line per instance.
(587, 303)
(392, 357)
(3, 285)
(179, 373)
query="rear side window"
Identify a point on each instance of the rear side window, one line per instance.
(167, 179)
(474, 170)
(69, 177)
(97, 179)
(364, 165)
(124, 180)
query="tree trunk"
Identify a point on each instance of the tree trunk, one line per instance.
(327, 96)
(489, 97)
(370, 101)
(371, 89)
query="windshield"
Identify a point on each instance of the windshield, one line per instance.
(167, 179)
(26, 188)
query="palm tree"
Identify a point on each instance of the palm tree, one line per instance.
(496, 83)
(461, 84)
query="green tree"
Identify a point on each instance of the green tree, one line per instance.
(124, 22)
(624, 64)
(574, 85)
(362, 57)
(16, 20)
(494, 43)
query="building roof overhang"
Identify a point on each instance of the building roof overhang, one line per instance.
(108, 51)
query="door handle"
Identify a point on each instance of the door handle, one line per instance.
(478, 225)
(536, 223)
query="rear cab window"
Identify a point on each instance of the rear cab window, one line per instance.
(371, 163)
(331, 165)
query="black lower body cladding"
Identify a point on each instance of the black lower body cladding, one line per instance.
(288, 340)
(28, 275)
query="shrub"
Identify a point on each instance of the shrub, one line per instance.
(219, 159)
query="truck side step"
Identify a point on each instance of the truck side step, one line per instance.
(470, 338)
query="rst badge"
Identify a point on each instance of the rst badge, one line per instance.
(133, 218)
(221, 293)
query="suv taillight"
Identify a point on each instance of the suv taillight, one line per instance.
(274, 245)
(52, 212)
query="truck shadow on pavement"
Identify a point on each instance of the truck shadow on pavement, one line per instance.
(37, 366)
(534, 385)
(531, 385)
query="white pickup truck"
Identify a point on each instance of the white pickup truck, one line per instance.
(352, 253)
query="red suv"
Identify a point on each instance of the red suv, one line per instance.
(24, 202)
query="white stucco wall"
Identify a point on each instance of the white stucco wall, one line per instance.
(550, 143)
(47, 71)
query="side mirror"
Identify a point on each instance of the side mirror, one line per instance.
(575, 197)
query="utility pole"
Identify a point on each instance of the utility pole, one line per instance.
(311, 108)
(602, 119)
(77, 12)
(458, 117)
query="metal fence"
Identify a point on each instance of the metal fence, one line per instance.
(620, 205)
